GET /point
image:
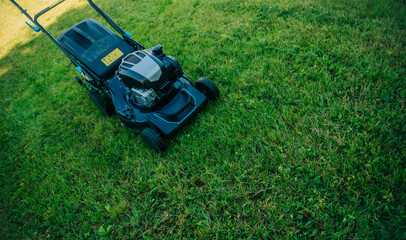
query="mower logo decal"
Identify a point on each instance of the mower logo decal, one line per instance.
(112, 57)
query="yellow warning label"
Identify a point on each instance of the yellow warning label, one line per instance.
(112, 57)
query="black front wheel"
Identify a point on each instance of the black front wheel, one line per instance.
(208, 88)
(153, 139)
(103, 103)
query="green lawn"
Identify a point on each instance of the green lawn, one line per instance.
(307, 140)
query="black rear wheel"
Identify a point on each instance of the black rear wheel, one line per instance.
(153, 139)
(103, 103)
(208, 88)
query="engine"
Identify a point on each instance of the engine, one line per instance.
(149, 74)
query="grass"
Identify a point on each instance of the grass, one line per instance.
(307, 140)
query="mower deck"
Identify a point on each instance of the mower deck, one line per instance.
(168, 119)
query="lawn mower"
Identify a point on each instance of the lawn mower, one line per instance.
(146, 88)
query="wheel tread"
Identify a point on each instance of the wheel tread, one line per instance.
(208, 87)
(153, 139)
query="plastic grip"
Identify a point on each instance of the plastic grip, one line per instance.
(37, 29)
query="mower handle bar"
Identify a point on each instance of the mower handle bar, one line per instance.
(56, 3)
(47, 9)
(24, 11)
(39, 14)
(39, 27)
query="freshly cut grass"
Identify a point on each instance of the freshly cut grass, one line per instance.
(307, 140)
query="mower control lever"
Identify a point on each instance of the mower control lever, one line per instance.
(37, 29)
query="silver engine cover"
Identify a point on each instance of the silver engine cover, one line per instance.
(143, 64)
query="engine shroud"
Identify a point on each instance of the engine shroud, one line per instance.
(148, 69)
(141, 69)
(149, 74)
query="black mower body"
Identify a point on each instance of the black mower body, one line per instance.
(104, 53)
(145, 87)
